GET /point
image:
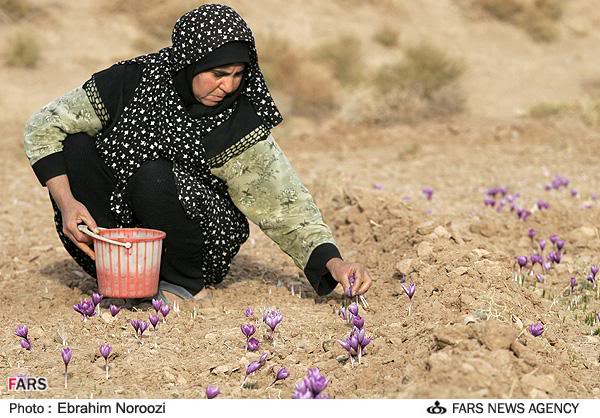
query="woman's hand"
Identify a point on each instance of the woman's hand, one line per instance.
(73, 213)
(341, 271)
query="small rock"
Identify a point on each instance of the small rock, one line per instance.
(405, 266)
(170, 377)
(459, 271)
(342, 358)
(441, 232)
(107, 317)
(223, 368)
(481, 253)
(496, 335)
(544, 382)
(425, 228)
(424, 249)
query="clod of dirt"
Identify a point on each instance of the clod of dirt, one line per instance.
(495, 334)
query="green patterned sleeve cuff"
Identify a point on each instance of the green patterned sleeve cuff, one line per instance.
(264, 186)
(46, 129)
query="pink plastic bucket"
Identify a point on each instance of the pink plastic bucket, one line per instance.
(127, 261)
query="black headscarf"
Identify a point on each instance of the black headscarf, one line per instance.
(161, 121)
(230, 53)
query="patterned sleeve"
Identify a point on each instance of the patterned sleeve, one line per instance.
(265, 187)
(46, 129)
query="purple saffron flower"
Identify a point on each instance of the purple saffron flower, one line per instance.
(536, 258)
(547, 265)
(26, 344)
(353, 309)
(114, 310)
(105, 350)
(302, 390)
(428, 192)
(358, 321)
(557, 257)
(345, 344)
(248, 312)
(573, 283)
(164, 310)
(248, 330)
(523, 214)
(343, 312)
(135, 323)
(153, 320)
(22, 331)
(594, 270)
(351, 281)
(316, 381)
(553, 238)
(86, 308)
(272, 318)
(541, 204)
(143, 327)
(363, 340)
(488, 201)
(536, 329)
(157, 304)
(560, 243)
(410, 290)
(590, 278)
(531, 233)
(282, 374)
(252, 367)
(574, 193)
(66, 354)
(96, 298)
(212, 392)
(598, 317)
(542, 244)
(378, 186)
(253, 344)
(522, 261)
(539, 278)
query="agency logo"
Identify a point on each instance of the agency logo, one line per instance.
(26, 383)
(436, 409)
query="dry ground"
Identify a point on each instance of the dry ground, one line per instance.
(467, 334)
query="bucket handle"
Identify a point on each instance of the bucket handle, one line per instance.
(84, 228)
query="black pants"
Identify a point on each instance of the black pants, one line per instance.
(152, 194)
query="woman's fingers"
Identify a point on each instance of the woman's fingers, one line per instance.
(365, 284)
(86, 249)
(81, 240)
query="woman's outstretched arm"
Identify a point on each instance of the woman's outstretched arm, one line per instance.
(264, 186)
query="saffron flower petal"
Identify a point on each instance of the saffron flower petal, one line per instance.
(157, 304)
(105, 350)
(26, 344)
(66, 355)
(536, 329)
(114, 310)
(22, 331)
(211, 391)
(96, 298)
(253, 344)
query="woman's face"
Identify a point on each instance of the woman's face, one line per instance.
(210, 87)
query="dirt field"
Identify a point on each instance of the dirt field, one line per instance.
(467, 335)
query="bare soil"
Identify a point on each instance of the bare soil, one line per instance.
(467, 334)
